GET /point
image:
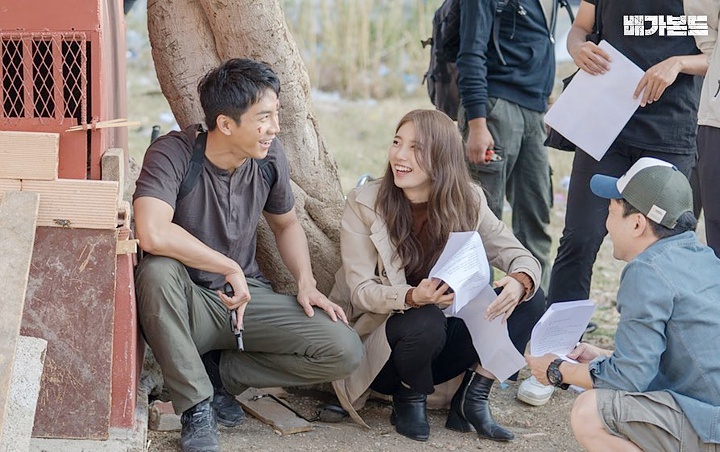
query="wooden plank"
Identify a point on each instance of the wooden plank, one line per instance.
(70, 203)
(29, 155)
(127, 246)
(8, 185)
(113, 168)
(18, 213)
(124, 215)
(273, 413)
(70, 303)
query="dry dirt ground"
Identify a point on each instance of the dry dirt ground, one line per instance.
(545, 428)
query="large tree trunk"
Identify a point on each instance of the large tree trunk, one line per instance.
(188, 38)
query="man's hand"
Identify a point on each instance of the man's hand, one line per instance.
(432, 291)
(584, 353)
(309, 297)
(538, 366)
(591, 58)
(242, 293)
(656, 80)
(479, 140)
(506, 302)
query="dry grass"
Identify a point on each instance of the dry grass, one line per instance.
(362, 48)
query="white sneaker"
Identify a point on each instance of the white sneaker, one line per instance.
(534, 393)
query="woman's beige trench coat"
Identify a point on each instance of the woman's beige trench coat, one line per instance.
(371, 281)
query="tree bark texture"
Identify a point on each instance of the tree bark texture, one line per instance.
(190, 37)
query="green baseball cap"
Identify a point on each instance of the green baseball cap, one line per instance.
(654, 187)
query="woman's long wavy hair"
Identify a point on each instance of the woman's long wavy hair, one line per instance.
(453, 202)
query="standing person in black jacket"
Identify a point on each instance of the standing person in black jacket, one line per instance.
(506, 69)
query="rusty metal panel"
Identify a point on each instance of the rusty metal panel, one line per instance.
(127, 356)
(49, 15)
(70, 303)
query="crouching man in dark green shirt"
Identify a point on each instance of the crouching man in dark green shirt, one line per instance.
(197, 206)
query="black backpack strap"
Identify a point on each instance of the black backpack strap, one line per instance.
(556, 10)
(196, 166)
(566, 4)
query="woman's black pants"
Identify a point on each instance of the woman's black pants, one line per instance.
(429, 348)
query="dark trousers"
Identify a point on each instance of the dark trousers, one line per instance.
(586, 214)
(708, 168)
(429, 348)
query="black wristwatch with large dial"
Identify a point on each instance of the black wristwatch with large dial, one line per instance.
(554, 375)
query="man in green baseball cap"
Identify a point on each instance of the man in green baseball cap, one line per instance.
(660, 388)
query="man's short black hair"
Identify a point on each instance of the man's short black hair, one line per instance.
(685, 222)
(233, 87)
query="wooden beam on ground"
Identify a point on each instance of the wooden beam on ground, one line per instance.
(29, 155)
(272, 412)
(71, 203)
(18, 215)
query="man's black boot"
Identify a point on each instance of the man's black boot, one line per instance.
(199, 431)
(409, 415)
(470, 410)
(228, 411)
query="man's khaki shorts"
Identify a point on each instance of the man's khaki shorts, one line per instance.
(651, 420)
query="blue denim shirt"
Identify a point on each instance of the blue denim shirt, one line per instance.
(668, 337)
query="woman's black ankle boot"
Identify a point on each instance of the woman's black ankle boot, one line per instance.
(409, 414)
(469, 409)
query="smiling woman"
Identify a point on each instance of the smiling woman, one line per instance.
(392, 233)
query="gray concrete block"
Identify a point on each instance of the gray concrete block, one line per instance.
(162, 417)
(24, 389)
(18, 217)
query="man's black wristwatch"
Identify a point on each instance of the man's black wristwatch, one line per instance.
(554, 375)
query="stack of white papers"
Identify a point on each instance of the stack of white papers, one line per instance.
(561, 327)
(463, 265)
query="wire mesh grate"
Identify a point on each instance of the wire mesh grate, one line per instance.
(43, 77)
